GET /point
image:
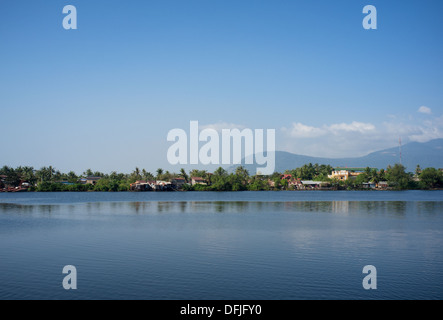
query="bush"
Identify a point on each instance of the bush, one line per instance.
(431, 178)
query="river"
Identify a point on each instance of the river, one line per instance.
(227, 245)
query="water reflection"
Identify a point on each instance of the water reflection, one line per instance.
(47, 210)
(394, 208)
(192, 249)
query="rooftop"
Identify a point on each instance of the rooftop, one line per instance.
(93, 178)
(309, 182)
(351, 169)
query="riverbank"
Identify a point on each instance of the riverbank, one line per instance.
(308, 177)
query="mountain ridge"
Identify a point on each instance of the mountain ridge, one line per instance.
(425, 154)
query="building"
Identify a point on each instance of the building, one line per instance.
(90, 180)
(296, 184)
(383, 185)
(198, 180)
(308, 184)
(162, 186)
(271, 183)
(178, 182)
(140, 186)
(344, 175)
(369, 185)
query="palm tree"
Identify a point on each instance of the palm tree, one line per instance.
(136, 174)
(5, 170)
(147, 175)
(12, 176)
(88, 173)
(167, 176)
(72, 177)
(199, 173)
(242, 173)
(28, 175)
(51, 172)
(220, 172)
(159, 173)
(417, 170)
(184, 175)
(381, 175)
(45, 174)
(374, 176)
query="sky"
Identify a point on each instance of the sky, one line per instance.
(106, 95)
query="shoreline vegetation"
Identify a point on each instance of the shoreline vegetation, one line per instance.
(308, 177)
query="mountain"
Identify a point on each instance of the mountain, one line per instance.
(428, 154)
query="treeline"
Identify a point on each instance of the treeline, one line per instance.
(399, 179)
(221, 180)
(49, 179)
(395, 176)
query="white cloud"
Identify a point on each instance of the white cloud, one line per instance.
(304, 131)
(357, 138)
(299, 130)
(425, 110)
(352, 127)
(427, 132)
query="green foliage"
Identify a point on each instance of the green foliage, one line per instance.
(258, 184)
(242, 174)
(198, 173)
(107, 184)
(200, 187)
(136, 175)
(59, 187)
(277, 183)
(362, 178)
(381, 175)
(184, 175)
(159, 175)
(12, 176)
(431, 178)
(398, 178)
(284, 184)
(47, 186)
(311, 171)
(48, 179)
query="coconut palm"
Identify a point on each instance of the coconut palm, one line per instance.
(184, 175)
(159, 173)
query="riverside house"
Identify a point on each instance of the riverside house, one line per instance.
(198, 180)
(140, 186)
(311, 185)
(90, 180)
(382, 185)
(345, 174)
(178, 183)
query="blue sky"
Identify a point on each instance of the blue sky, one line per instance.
(105, 96)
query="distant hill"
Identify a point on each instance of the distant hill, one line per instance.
(428, 154)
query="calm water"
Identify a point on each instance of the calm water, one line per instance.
(243, 245)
